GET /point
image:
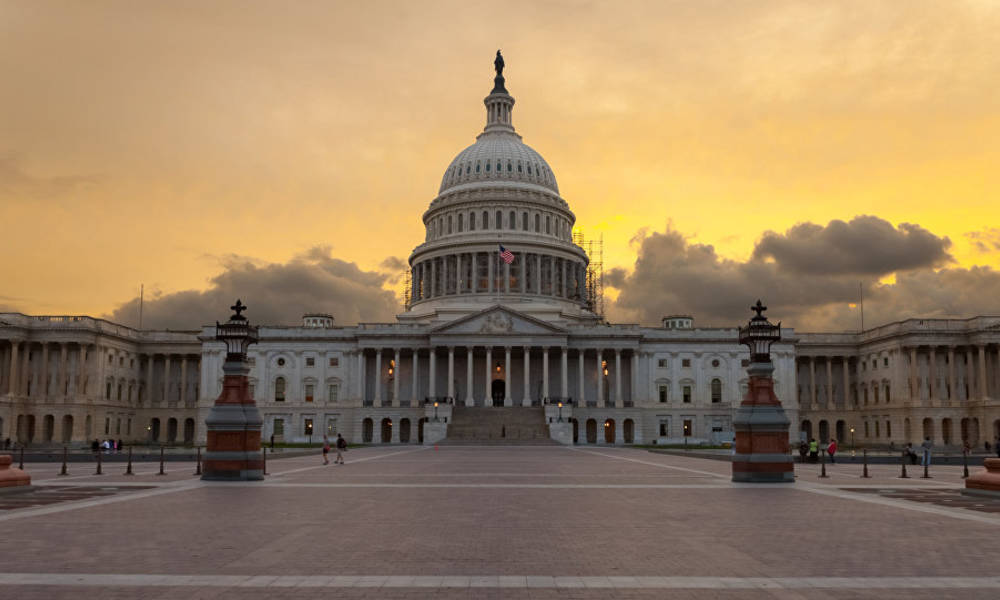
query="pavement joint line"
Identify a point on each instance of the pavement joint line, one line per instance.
(555, 486)
(661, 465)
(955, 513)
(495, 581)
(365, 459)
(168, 488)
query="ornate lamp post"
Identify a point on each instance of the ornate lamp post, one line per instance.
(234, 423)
(760, 423)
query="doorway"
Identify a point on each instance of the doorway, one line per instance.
(498, 391)
(609, 431)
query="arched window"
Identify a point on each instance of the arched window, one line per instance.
(461, 219)
(449, 223)
(499, 166)
(486, 220)
(519, 169)
(472, 221)
(499, 222)
(513, 220)
(524, 220)
(477, 166)
(548, 224)
(529, 169)
(537, 221)
(279, 389)
(468, 168)
(488, 167)
(510, 167)
(716, 390)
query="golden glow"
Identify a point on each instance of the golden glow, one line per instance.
(150, 146)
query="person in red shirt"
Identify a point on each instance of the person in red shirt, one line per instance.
(832, 449)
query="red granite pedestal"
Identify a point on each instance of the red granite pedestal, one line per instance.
(761, 432)
(12, 477)
(233, 430)
(985, 483)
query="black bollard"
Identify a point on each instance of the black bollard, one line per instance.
(822, 464)
(902, 463)
(263, 461)
(64, 472)
(21, 462)
(128, 469)
(965, 465)
(197, 469)
(926, 475)
(864, 458)
(161, 462)
(98, 472)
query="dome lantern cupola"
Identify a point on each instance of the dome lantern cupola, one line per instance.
(499, 103)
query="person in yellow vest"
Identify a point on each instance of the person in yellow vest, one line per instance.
(813, 450)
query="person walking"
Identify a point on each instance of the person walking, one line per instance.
(925, 460)
(341, 448)
(803, 451)
(831, 449)
(813, 450)
(910, 453)
(326, 450)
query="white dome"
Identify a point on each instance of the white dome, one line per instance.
(498, 157)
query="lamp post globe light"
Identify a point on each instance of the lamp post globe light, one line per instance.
(760, 423)
(232, 451)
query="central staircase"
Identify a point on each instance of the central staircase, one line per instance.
(513, 425)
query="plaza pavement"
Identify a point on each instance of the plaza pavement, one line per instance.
(499, 522)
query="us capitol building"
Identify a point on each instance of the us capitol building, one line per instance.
(498, 351)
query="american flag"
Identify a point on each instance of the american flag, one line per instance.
(506, 255)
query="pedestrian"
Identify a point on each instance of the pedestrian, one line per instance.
(910, 453)
(272, 441)
(341, 448)
(813, 450)
(95, 446)
(966, 448)
(6, 444)
(831, 449)
(987, 442)
(803, 451)
(326, 450)
(121, 445)
(925, 460)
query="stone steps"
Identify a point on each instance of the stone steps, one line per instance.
(499, 425)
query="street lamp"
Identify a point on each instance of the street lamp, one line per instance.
(852, 441)
(759, 334)
(435, 412)
(560, 412)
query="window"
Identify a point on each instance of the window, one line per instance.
(121, 361)
(663, 393)
(107, 425)
(867, 431)
(279, 427)
(885, 361)
(279, 389)
(472, 221)
(874, 366)
(334, 361)
(513, 221)
(107, 391)
(524, 215)
(499, 220)
(477, 166)
(310, 362)
(888, 429)
(686, 362)
(281, 362)
(876, 429)
(331, 427)
(664, 427)
(307, 427)
(715, 363)
(461, 222)
(662, 363)
(486, 220)
(488, 165)
(716, 390)
(548, 224)
(309, 392)
(687, 394)
(332, 393)
(449, 223)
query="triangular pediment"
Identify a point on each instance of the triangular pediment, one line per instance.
(498, 320)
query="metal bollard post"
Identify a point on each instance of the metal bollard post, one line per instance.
(864, 458)
(902, 462)
(822, 464)
(161, 462)
(965, 465)
(197, 469)
(98, 472)
(263, 460)
(64, 472)
(128, 469)
(926, 475)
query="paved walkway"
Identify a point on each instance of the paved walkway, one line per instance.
(499, 522)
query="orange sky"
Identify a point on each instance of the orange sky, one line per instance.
(145, 142)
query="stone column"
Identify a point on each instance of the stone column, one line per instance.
(523, 279)
(415, 389)
(600, 380)
(914, 388)
(983, 389)
(183, 398)
(82, 377)
(12, 377)
(508, 400)
(470, 400)
(395, 389)
(527, 379)
(829, 383)
(545, 373)
(432, 379)
(451, 372)
(377, 401)
(812, 382)
(149, 379)
(166, 377)
(952, 391)
(932, 375)
(434, 266)
(506, 278)
(582, 397)
(43, 383)
(564, 366)
(538, 274)
(970, 373)
(618, 380)
(633, 371)
(63, 380)
(489, 377)
(847, 385)
(458, 274)
(489, 272)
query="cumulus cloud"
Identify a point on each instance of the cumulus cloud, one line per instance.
(986, 239)
(866, 245)
(809, 276)
(276, 293)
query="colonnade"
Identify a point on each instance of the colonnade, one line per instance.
(484, 273)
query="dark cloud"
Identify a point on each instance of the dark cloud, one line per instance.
(866, 245)
(672, 275)
(275, 294)
(985, 240)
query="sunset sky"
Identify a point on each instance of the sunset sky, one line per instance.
(191, 146)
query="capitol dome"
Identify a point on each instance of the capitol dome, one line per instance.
(498, 232)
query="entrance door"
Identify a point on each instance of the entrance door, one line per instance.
(497, 392)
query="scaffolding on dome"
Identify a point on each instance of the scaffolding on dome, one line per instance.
(595, 271)
(407, 288)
